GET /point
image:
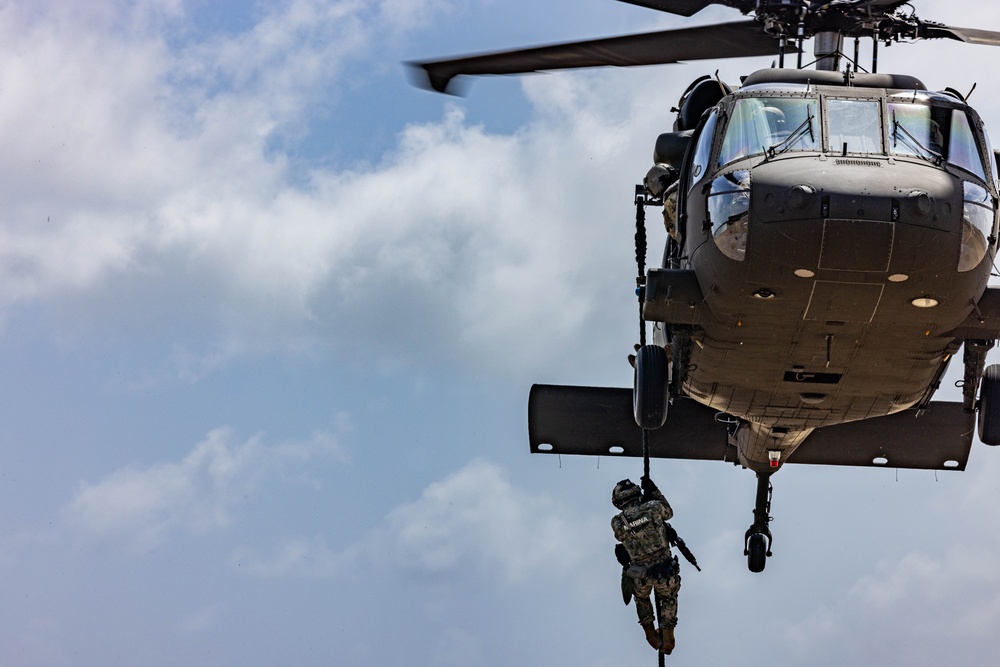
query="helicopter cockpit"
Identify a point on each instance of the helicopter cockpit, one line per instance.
(932, 126)
(767, 122)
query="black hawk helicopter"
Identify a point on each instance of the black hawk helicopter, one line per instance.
(832, 232)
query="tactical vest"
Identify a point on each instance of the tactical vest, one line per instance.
(646, 539)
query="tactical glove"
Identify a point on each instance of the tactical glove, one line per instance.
(647, 484)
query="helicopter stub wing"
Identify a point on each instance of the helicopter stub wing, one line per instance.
(598, 421)
(938, 439)
(724, 40)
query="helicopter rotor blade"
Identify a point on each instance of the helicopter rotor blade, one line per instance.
(967, 35)
(889, 4)
(724, 40)
(681, 7)
(692, 7)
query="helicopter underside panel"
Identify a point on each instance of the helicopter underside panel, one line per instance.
(840, 302)
(820, 376)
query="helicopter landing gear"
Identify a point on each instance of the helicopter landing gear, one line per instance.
(757, 541)
(650, 396)
(989, 406)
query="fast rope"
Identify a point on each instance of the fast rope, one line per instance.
(640, 259)
(640, 292)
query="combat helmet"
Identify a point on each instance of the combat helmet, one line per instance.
(625, 493)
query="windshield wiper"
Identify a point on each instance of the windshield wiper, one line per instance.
(796, 134)
(914, 143)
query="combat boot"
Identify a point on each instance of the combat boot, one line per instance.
(652, 636)
(667, 646)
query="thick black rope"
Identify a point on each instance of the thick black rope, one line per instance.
(640, 292)
(645, 453)
(640, 260)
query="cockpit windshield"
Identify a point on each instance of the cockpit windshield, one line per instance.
(759, 124)
(928, 126)
(855, 126)
(936, 133)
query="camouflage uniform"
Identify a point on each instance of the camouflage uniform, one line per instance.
(639, 527)
(661, 181)
(670, 213)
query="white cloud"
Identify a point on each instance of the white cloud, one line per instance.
(199, 493)
(961, 587)
(953, 598)
(946, 588)
(148, 189)
(472, 523)
(404, 15)
(475, 520)
(303, 558)
(459, 648)
(126, 146)
(201, 620)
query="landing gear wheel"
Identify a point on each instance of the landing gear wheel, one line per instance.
(757, 552)
(650, 394)
(989, 406)
(757, 540)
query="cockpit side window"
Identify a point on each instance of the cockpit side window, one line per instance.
(991, 155)
(854, 126)
(963, 152)
(702, 150)
(934, 132)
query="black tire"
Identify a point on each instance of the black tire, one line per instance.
(757, 552)
(989, 406)
(650, 395)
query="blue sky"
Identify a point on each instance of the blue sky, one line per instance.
(268, 320)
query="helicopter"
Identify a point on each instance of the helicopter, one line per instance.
(831, 235)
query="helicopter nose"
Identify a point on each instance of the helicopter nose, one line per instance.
(852, 221)
(852, 189)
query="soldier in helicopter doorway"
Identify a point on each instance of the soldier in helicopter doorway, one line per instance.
(644, 551)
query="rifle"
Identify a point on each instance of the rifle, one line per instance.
(675, 540)
(651, 492)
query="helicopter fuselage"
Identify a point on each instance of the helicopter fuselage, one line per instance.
(838, 236)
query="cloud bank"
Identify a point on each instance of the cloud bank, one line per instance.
(200, 493)
(474, 524)
(153, 187)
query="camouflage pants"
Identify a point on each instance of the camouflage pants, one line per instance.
(666, 589)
